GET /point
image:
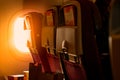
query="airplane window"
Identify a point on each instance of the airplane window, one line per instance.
(20, 35)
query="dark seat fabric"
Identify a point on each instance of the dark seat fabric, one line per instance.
(74, 71)
(104, 9)
(91, 58)
(54, 62)
(44, 60)
(34, 71)
(50, 63)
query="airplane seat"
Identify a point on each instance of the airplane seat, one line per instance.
(40, 69)
(54, 62)
(72, 68)
(69, 28)
(34, 71)
(102, 36)
(44, 60)
(104, 9)
(75, 71)
(33, 23)
(49, 38)
(49, 29)
(35, 26)
(91, 59)
(50, 62)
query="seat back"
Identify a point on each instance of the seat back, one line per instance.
(44, 60)
(74, 71)
(50, 62)
(49, 38)
(91, 59)
(33, 23)
(70, 28)
(49, 29)
(83, 35)
(55, 64)
(72, 67)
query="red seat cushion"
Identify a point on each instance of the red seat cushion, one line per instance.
(54, 62)
(44, 59)
(74, 71)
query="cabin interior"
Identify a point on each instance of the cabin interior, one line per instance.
(59, 39)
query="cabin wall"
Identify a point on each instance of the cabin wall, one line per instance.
(10, 62)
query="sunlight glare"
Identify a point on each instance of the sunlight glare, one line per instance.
(20, 35)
